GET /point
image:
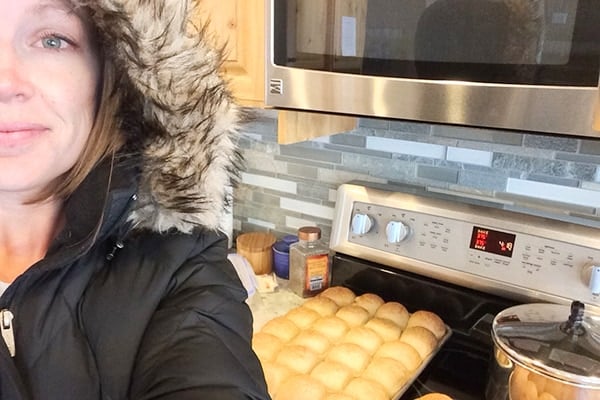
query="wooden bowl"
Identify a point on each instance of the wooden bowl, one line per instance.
(256, 248)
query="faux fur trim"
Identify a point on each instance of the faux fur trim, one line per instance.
(189, 147)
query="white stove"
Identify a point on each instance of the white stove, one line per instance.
(465, 259)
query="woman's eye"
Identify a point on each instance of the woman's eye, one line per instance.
(53, 42)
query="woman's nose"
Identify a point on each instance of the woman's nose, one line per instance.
(14, 83)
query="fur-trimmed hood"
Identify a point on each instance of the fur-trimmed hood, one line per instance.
(186, 115)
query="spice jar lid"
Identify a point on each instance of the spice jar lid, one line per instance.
(558, 341)
(309, 233)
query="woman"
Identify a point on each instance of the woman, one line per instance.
(116, 149)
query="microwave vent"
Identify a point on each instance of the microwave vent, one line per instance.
(276, 86)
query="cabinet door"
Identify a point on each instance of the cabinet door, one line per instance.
(240, 25)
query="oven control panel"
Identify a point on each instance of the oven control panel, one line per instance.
(487, 248)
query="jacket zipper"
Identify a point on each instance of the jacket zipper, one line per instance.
(8, 334)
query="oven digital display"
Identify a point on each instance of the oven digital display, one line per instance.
(492, 241)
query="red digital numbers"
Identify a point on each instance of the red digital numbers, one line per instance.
(481, 239)
(492, 241)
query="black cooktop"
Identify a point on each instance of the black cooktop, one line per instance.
(460, 368)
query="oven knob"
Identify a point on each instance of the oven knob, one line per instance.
(396, 231)
(591, 275)
(361, 224)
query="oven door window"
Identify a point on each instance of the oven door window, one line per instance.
(536, 42)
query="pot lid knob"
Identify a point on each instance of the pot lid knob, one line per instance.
(574, 326)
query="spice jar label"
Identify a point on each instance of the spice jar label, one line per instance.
(317, 273)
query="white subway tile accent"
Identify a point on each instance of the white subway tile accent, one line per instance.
(470, 156)
(321, 139)
(332, 195)
(591, 185)
(267, 182)
(262, 223)
(554, 192)
(307, 208)
(406, 147)
(254, 136)
(297, 223)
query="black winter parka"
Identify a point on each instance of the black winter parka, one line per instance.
(113, 313)
(135, 298)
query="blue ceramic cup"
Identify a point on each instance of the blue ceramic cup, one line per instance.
(281, 256)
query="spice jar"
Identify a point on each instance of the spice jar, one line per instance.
(310, 271)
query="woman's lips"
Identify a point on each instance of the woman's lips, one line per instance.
(14, 127)
(18, 134)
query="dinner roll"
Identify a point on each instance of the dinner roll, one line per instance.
(571, 392)
(333, 328)
(370, 302)
(363, 388)
(428, 320)
(546, 396)
(402, 352)
(274, 375)
(350, 355)
(333, 375)
(385, 328)
(266, 345)
(339, 396)
(312, 340)
(390, 373)
(281, 327)
(364, 337)
(301, 387)
(342, 296)
(539, 381)
(353, 315)
(302, 316)
(553, 387)
(421, 339)
(518, 383)
(323, 305)
(298, 358)
(435, 396)
(395, 312)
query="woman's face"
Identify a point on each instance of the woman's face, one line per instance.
(48, 79)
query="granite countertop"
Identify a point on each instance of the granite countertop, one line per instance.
(266, 306)
(268, 296)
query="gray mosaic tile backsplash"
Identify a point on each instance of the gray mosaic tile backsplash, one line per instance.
(287, 186)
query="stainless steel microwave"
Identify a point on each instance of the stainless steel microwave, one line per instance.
(526, 65)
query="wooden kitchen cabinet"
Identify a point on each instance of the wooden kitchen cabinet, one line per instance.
(297, 126)
(240, 26)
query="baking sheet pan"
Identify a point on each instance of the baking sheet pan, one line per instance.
(423, 365)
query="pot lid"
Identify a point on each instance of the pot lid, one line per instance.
(558, 341)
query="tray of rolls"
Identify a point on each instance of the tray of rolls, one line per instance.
(342, 346)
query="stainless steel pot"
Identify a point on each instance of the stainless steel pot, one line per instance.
(546, 352)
